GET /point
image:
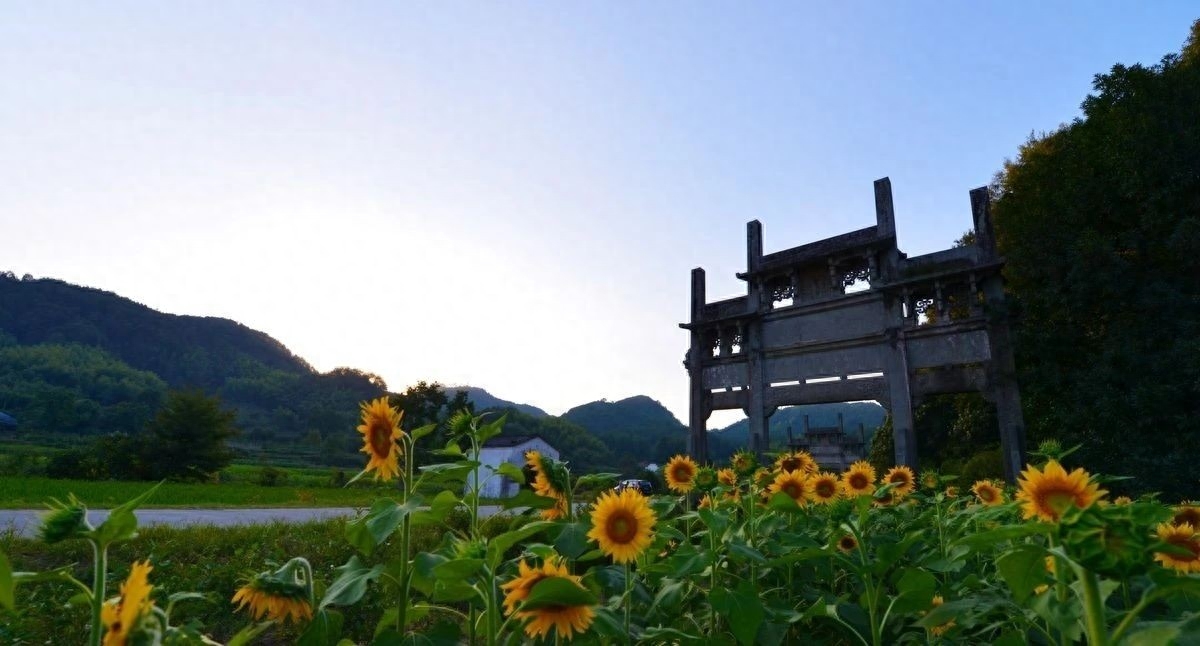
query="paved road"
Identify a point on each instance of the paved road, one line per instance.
(26, 522)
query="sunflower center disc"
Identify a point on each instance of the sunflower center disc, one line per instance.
(381, 438)
(621, 528)
(825, 490)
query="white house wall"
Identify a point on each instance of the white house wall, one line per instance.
(493, 457)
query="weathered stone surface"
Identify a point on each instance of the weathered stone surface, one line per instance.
(907, 328)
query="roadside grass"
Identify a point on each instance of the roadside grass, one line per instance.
(203, 559)
(21, 492)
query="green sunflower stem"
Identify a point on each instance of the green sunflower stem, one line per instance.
(99, 572)
(1093, 610)
(628, 600)
(405, 536)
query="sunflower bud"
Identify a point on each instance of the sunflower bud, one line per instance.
(64, 521)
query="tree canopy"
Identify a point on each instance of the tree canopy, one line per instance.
(1100, 224)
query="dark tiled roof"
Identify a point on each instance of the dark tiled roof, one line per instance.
(510, 440)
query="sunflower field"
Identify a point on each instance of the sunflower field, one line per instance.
(751, 553)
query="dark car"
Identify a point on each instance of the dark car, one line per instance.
(643, 486)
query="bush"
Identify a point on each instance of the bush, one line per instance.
(272, 477)
(985, 465)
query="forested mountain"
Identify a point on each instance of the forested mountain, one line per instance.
(483, 400)
(636, 430)
(869, 414)
(77, 359)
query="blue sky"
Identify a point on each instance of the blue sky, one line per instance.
(509, 195)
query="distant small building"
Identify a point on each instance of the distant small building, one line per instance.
(7, 421)
(510, 449)
(652, 467)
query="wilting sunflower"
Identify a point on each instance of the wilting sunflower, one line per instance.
(566, 620)
(941, 629)
(1047, 494)
(278, 599)
(743, 462)
(903, 478)
(727, 477)
(622, 524)
(859, 479)
(794, 483)
(988, 493)
(796, 461)
(542, 486)
(847, 543)
(681, 474)
(381, 431)
(1187, 513)
(1183, 536)
(121, 615)
(824, 487)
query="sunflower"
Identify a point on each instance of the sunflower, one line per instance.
(1123, 500)
(859, 479)
(824, 486)
(1183, 536)
(941, 629)
(903, 478)
(847, 543)
(706, 478)
(681, 474)
(1048, 493)
(706, 502)
(796, 461)
(794, 483)
(543, 487)
(1187, 513)
(952, 491)
(279, 600)
(763, 477)
(121, 615)
(622, 524)
(930, 479)
(988, 493)
(381, 430)
(886, 498)
(743, 462)
(727, 477)
(566, 620)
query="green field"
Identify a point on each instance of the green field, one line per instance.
(24, 492)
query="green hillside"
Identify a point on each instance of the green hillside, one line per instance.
(82, 360)
(869, 414)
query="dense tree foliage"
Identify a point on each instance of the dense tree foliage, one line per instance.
(188, 438)
(277, 395)
(1100, 225)
(75, 389)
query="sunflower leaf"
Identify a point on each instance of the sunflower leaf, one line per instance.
(1022, 569)
(351, 583)
(370, 531)
(558, 591)
(418, 433)
(324, 629)
(572, 540)
(742, 608)
(512, 471)
(121, 524)
(498, 545)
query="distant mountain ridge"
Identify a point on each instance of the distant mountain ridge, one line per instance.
(484, 400)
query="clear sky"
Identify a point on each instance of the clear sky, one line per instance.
(509, 195)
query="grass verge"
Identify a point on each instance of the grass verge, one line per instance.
(20, 492)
